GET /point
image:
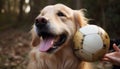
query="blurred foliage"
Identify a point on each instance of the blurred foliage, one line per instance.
(104, 13)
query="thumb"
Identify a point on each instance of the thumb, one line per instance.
(116, 48)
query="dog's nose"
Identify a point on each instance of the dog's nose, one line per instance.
(41, 21)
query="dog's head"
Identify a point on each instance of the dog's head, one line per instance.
(56, 25)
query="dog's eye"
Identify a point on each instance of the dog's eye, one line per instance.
(61, 14)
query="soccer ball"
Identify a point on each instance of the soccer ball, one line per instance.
(91, 43)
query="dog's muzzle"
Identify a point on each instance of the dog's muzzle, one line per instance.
(50, 40)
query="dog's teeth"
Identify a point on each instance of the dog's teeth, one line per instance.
(54, 47)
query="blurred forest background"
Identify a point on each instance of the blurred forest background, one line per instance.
(17, 17)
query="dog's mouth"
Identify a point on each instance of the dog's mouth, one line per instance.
(51, 41)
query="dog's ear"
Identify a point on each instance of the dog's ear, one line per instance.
(79, 18)
(35, 39)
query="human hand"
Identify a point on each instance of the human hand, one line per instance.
(113, 57)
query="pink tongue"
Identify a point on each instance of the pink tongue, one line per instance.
(46, 44)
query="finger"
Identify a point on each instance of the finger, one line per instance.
(109, 54)
(105, 59)
(116, 48)
(111, 58)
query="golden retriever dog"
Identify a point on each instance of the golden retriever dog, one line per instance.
(52, 38)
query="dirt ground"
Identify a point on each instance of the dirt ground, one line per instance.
(14, 48)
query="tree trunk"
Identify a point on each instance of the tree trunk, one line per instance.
(78, 4)
(51, 2)
(20, 15)
(103, 18)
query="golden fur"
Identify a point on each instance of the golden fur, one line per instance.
(63, 57)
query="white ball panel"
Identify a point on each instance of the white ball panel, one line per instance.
(92, 43)
(90, 29)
